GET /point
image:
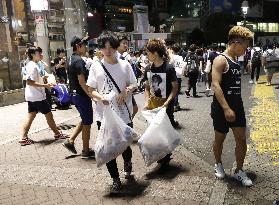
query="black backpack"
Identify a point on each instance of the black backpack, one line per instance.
(191, 61)
(256, 58)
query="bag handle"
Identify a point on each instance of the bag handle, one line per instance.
(116, 86)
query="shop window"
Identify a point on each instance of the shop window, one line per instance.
(273, 27)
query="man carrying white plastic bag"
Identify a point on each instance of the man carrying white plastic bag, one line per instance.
(160, 138)
(113, 138)
(112, 74)
(160, 90)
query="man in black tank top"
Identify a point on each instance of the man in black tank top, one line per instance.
(227, 109)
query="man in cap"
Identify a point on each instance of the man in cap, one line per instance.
(78, 75)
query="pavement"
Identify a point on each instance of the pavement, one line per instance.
(46, 173)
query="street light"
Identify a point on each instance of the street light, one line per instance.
(244, 7)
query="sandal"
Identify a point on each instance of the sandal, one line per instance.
(61, 136)
(25, 141)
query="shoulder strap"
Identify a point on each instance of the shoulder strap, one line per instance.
(116, 86)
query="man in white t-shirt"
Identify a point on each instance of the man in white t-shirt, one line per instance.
(179, 66)
(270, 62)
(101, 84)
(124, 55)
(36, 97)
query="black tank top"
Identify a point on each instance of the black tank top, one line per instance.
(231, 82)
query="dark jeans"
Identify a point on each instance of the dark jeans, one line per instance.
(112, 165)
(257, 67)
(170, 111)
(176, 103)
(192, 82)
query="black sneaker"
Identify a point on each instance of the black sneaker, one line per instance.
(187, 93)
(69, 146)
(175, 124)
(165, 160)
(116, 186)
(127, 169)
(176, 108)
(88, 154)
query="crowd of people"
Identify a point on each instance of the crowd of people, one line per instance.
(157, 70)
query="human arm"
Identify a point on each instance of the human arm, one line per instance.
(131, 86)
(41, 85)
(173, 93)
(219, 66)
(96, 96)
(172, 77)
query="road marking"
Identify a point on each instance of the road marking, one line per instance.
(264, 122)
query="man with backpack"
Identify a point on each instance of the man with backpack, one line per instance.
(270, 62)
(192, 70)
(256, 55)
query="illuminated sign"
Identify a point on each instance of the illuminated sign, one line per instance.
(39, 5)
(125, 10)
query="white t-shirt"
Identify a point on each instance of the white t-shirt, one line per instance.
(178, 64)
(32, 93)
(241, 58)
(123, 75)
(125, 55)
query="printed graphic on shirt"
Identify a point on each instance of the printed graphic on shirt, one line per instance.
(158, 84)
(111, 92)
(179, 66)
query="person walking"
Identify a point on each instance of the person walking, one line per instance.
(35, 96)
(256, 57)
(227, 109)
(112, 74)
(78, 75)
(161, 84)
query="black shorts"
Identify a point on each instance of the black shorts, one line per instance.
(39, 106)
(220, 123)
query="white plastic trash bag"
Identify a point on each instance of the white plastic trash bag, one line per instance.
(160, 138)
(113, 137)
(149, 115)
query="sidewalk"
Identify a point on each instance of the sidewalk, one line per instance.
(46, 173)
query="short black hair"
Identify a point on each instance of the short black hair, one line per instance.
(122, 37)
(78, 41)
(31, 51)
(60, 50)
(214, 46)
(91, 52)
(176, 48)
(108, 36)
(39, 49)
(192, 48)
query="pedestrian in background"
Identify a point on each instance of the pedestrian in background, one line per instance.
(36, 97)
(192, 70)
(60, 65)
(256, 57)
(179, 66)
(122, 53)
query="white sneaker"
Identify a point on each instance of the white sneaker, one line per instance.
(219, 171)
(242, 177)
(251, 81)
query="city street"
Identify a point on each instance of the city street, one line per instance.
(46, 173)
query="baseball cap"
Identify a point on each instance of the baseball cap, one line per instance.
(77, 40)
